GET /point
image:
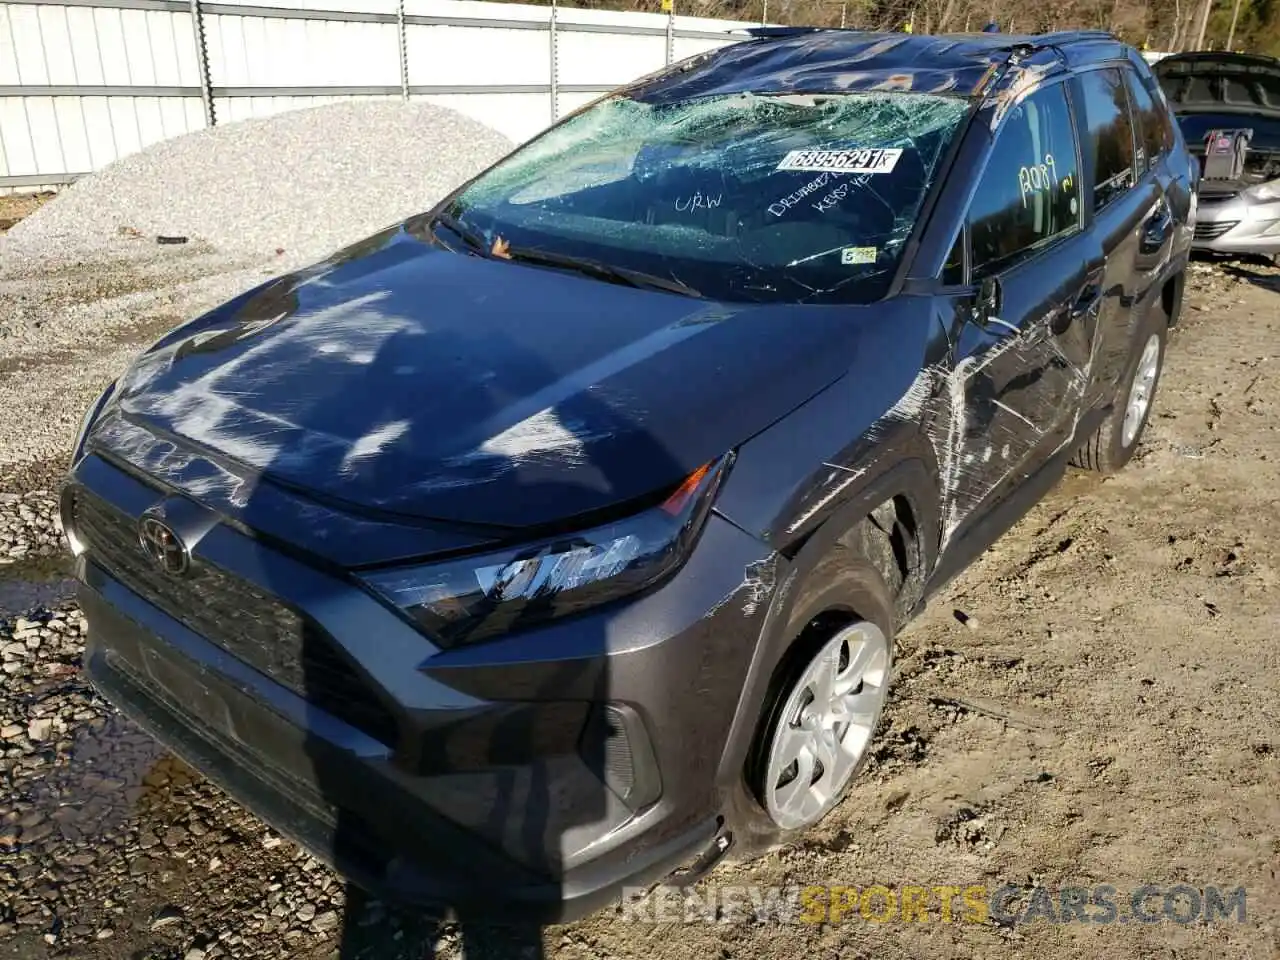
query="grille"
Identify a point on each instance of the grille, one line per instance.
(1213, 229)
(232, 613)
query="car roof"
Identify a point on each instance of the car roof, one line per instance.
(814, 60)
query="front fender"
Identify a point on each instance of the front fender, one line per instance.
(836, 450)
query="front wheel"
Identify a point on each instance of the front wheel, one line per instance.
(1115, 441)
(825, 700)
(820, 737)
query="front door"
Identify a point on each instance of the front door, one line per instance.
(1021, 364)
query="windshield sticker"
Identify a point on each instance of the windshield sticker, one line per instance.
(875, 160)
(855, 255)
(698, 201)
(1037, 178)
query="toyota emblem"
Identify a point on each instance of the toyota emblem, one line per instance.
(163, 546)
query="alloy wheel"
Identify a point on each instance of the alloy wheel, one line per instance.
(825, 726)
(1141, 390)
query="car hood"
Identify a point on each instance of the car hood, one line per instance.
(403, 378)
(1222, 82)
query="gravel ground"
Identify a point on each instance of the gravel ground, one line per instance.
(1109, 711)
(84, 285)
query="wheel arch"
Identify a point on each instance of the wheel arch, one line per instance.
(890, 523)
(1171, 294)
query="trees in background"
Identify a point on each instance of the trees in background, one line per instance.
(1166, 25)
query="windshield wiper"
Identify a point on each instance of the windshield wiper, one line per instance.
(604, 271)
(472, 237)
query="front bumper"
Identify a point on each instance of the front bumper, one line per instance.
(1234, 224)
(530, 777)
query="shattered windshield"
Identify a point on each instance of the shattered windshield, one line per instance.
(748, 198)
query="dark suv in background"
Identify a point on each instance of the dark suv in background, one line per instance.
(558, 536)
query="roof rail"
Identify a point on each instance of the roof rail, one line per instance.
(1063, 35)
(766, 32)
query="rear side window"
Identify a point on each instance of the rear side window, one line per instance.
(1109, 136)
(1029, 191)
(1154, 136)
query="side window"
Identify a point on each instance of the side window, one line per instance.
(1110, 134)
(1164, 111)
(1147, 115)
(1029, 192)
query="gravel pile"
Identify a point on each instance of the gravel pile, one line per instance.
(306, 181)
(84, 285)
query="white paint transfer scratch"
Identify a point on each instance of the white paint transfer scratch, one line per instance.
(949, 455)
(1014, 413)
(834, 492)
(910, 405)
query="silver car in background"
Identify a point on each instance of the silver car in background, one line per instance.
(1222, 92)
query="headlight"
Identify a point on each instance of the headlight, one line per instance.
(1265, 192)
(474, 598)
(91, 415)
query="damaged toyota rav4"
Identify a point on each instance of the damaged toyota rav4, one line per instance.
(554, 541)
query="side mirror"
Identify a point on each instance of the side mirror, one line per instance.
(989, 301)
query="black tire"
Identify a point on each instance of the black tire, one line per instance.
(843, 588)
(1106, 452)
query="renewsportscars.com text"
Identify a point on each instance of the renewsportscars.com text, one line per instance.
(1005, 905)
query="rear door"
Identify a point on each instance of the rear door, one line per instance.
(1128, 208)
(1158, 134)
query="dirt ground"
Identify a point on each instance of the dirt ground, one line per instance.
(1110, 713)
(1096, 701)
(15, 206)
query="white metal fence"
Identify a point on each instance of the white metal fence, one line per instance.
(83, 82)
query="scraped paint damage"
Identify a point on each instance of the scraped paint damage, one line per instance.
(759, 582)
(758, 585)
(976, 452)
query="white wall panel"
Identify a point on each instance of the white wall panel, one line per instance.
(92, 47)
(25, 23)
(8, 47)
(72, 134)
(585, 59)
(59, 56)
(81, 25)
(109, 32)
(460, 55)
(19, 147)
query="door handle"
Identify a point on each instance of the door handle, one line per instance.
(1087, 297)
(1062, 319)
(1155, 231)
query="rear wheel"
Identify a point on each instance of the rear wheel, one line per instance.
(1115, 441)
